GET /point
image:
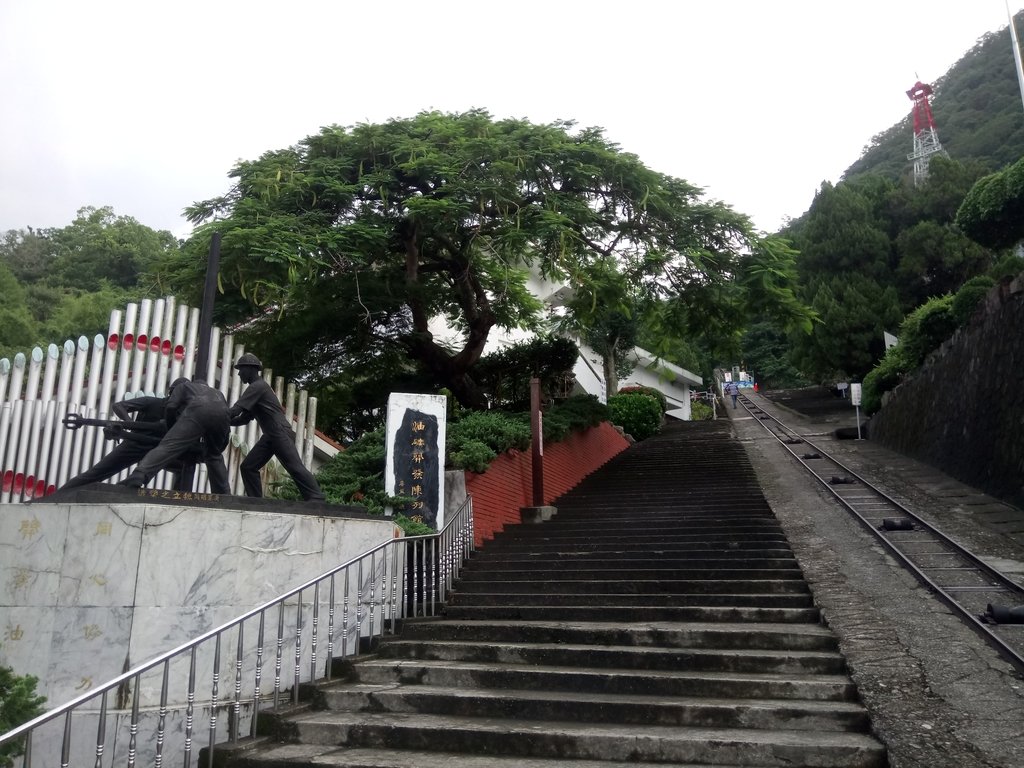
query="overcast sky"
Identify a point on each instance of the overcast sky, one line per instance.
(146, 105)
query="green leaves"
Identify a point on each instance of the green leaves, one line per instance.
(18, 704)
(992, 214)
(448, 216)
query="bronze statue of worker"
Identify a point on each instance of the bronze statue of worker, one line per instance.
(259, 402)
(197, 425)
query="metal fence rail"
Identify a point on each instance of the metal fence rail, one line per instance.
(213, 688)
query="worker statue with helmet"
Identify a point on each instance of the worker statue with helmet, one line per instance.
(259, 402)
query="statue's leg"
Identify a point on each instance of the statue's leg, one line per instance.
(218, 474)
(182, 437)
(122, 457)
(258, 456)
(287, 454)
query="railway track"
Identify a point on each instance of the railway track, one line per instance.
(985, 599)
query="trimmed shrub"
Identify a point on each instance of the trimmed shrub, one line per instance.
(926, 328)
(884, 377)
(638, 414)
(497, 430)
(700, 411)
(970, 295)
(659, 396)
(505, 375)
(472, 455)
(574, 414)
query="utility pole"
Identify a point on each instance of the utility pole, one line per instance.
(206, 311)
(1016, 53)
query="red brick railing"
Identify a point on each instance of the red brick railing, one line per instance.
(507, 485)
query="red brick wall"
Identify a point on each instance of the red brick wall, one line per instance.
(507, 484)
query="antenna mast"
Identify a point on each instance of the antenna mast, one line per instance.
(926, 140)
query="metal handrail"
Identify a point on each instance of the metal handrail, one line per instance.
(425, 567)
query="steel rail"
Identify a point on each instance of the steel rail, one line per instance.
(1011, 653)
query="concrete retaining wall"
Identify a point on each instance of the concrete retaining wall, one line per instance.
(963, 411)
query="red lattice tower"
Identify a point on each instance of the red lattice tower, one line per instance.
(926, 139)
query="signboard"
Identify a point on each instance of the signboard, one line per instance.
(855, 394)
(414, 465)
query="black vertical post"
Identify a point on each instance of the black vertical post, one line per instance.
(537, 428)
(206, 311)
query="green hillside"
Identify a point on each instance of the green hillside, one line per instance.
(977, 109)
(880, 254)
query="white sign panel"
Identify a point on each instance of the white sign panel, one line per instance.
(414, 465)
(855, 394)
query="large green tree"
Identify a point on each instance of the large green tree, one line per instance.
(67, 279)
(873, 240)
(99, 248)
(355, 238)
(18, 329)
(855, 310)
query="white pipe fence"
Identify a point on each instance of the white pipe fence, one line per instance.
(38, 454)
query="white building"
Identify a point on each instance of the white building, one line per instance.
(673, 382)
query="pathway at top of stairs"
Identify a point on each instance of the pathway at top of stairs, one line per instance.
(658, 619)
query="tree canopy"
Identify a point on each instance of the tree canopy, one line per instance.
(62, 283)
(993, 212)
(871, 250)
(353, 239)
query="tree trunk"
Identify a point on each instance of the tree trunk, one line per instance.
(448, 369)
(611, 378)
(451, 370)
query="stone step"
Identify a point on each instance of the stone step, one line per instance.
(730, 571)
(485, 736)
(601, 708)
(793, 662)
(806, 637)
(624, 494)
(329, 756)
(638, 540)
(682, 682)
(630, 614)
(725, 542)
(789, 586)
(464, 598)
(636, 531)
(659, 618)
(663, 512)
(611, 551)
(707, 562)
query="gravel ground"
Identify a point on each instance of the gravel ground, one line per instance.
(938, 694)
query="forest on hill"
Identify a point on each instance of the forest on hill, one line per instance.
(977, 109)
(877, 251)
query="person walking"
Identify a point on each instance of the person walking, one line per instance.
(197, 424)
(733, 390)
(259, 402)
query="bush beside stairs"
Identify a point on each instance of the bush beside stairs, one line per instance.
(659, 618)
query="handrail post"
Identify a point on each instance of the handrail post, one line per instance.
(537, 430)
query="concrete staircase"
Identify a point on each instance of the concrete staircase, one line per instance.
(659, 618)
